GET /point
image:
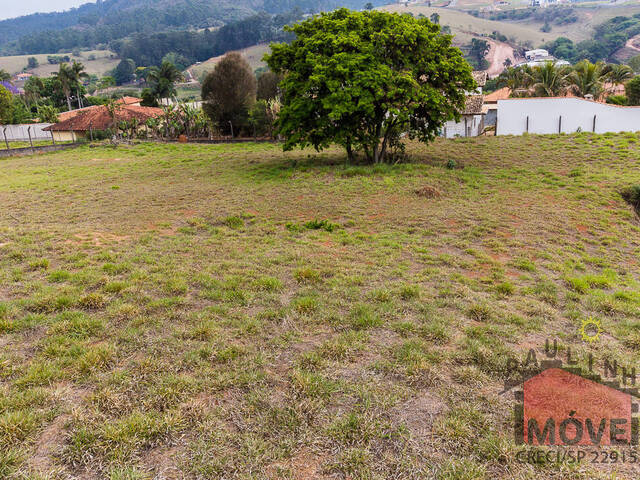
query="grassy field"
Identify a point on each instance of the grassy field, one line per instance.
(253, 55)
(104, 61)
(181, 311)
(466, 26)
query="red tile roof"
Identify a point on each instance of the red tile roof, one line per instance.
(99, 117)
(129, 100)
(501, 94)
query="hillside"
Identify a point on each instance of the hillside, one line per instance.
(253, 55)
(99, 23)
(180, 311)
(97, 62)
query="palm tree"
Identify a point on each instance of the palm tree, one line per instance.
(77, 69)
(516, 78)
(586, 79)
(617, 74)
(549, 80)
(66, 77)
(162, 79)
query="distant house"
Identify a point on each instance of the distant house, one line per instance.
(80, 123)
(20, 79)
(471, 122)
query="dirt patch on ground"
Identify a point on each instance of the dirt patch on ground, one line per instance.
(306, 465)
(98, 239)
(162, 462)
(496, 57)
(419, 414)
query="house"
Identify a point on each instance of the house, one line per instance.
(82, 123)
(546, 115)
(490, 107)
(471, 122)
(129, 101)
(20, 79)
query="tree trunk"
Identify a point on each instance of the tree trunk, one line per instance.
(68, 101)
(385, 142)
(349, 151)
(79, 98)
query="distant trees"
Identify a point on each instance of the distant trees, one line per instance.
(361, 79)
(180, 61)
(69, 76)
(124, 72)
(65, 77)
(478, 50)
(268, 85)
(228, 92)
(32, 62)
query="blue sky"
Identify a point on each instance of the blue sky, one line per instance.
(12, 8)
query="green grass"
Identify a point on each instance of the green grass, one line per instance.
(103, 61)
(233, 311)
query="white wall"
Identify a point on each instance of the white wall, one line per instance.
(453, 129)
(20, 133)
(577, 113)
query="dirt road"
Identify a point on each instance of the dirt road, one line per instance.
(632, 43)
(496, 57)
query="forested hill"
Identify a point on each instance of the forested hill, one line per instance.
(100, 23)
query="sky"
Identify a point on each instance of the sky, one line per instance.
(12, 8)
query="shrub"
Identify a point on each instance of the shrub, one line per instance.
(321, 225)
(632, 196)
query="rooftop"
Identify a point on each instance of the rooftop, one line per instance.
(99, 117)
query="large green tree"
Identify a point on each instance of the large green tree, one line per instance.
(361, 79)
(229, 92)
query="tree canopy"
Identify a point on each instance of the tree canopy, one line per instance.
(228, 92)
(361, 79)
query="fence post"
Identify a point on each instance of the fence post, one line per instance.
(73, 134)
(527, 123)
(560, 124)
(30, 140)
(231, 129)
(594, 124)
(5, 138)
(53, 138)
(91, 131)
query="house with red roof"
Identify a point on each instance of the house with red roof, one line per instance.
(83, 122)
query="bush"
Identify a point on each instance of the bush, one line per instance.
(632, 196)
(633, 91)
(618, 100)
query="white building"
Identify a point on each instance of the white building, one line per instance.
(471, 122)
(563, 115)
